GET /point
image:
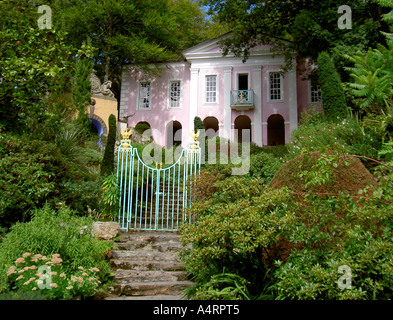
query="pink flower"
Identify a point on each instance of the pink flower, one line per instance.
(81, 268)
(20, 277)
(53, 273)
(11, 270)
(62, 275)
(94, 269)
(26, 254)
(56, 260)
(19, 260)
(53, 285)
(55, 255)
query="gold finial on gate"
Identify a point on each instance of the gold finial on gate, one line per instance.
(161, 165)
(126, 134)
(194, 135)
(125, 141)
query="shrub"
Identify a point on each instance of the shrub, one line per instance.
(264, 166)
(54, 232)
(198, 124)
(108, 162)
(141, 127)
(29, 176)
(323, 173)
(333, 232)
(333, 97)
(46, 275)
(347, 136)
(276, 244)
(236, 232)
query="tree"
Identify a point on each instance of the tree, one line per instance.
(35, 64)
(198, 124)
(333, 97)
(372, 78)
(107, 165)
(131, 32)
(81, 89)
(310, 26)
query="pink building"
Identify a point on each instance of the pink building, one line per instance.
(225, 92)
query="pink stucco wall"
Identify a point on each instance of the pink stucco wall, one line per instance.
(160, 115)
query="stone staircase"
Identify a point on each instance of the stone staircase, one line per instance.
(147, 266)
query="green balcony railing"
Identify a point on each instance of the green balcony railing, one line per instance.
(242, 97)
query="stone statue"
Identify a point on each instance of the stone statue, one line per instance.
(98, 88)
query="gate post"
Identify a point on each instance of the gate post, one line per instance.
(124, 150)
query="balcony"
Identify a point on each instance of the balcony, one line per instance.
(242, 100)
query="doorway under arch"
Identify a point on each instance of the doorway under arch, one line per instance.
(243, 126)
(173, 134)
(211, 126)
(275, 130)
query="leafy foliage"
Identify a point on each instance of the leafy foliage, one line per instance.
(334, 104)
(54, 232)
(108, 161)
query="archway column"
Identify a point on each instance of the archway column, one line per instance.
(257, 85)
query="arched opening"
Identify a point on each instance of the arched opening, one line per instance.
(275, 130)
(211, 126)
(142, 126)
(96, 127)
(243, 126)
(173, 134)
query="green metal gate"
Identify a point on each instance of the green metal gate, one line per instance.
(155, 198)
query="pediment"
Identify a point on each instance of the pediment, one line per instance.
(211, 48)
(206, 47)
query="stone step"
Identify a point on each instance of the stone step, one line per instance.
(150, 288)
(130, 264)
(149, 236)
(148, 255)
(159, 246)
(147, 266)
(127, 276)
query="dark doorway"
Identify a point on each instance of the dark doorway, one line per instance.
(173, 134)
(275, 130)
(243, 126)
(243, 82)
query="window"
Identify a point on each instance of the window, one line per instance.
(242, 82)
(144, 95)
(174, 94)
(275, 89)
(315, 92)
(211, 89)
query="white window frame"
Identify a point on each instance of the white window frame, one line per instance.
(180, 94)
(139, 93)
(281, 87)
(310, 93)
(205, 89)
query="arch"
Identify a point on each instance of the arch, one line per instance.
(173, 134)
(211, 126)
(275, 130)
(242, 123)
(99, 124)
(142, 126)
